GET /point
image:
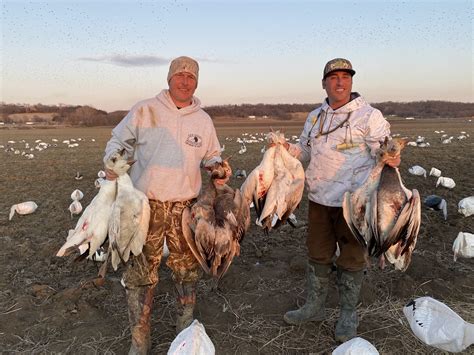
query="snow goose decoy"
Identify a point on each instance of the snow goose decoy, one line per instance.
(77, 195)
(437, 203)
(435, 172)
(383, 214)
(466, 206)
(22, 208)
(445, 182)
(75, 208)
(78, 176)
(437, 325)
(354, 346)
(417, 170)
(463, 245)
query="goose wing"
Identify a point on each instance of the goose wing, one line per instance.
(199, 249)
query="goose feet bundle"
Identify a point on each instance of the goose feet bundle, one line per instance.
(216, 224)
(383, 214)
(276, 185)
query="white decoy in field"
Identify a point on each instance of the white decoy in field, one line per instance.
(437, 325)
(130, 216)
(417, 170)
(445, 182)
(383, 214)
(78, 176)
(466, 206)
(243, 149)
(435, 172)
(101, 174)
(463, 245)
(77, 195)
(75, 208)
(23, 208)
(92, 227)
(356, 346)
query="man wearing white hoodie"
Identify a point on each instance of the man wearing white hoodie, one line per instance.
(171, 138)
(339, 140)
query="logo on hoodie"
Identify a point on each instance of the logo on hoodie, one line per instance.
(194, 140)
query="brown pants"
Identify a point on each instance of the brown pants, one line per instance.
(326, 227)
(165, 221)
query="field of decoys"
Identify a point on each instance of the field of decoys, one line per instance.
(49, 179)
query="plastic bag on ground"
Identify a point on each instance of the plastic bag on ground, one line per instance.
(192, 340)
(356, 346)
(437, 325)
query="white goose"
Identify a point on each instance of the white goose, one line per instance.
(130, 217)
(91, 229)
(255, 187)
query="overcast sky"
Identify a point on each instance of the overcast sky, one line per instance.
(110, 54)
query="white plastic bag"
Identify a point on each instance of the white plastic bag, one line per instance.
(464, 245)
(23, 208)
(437, 325)
(356, 346)
(417, 170)
(192, 340)
(466, 206)
(446, 182)
(435, 172)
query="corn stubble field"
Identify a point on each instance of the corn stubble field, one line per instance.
(47, 304)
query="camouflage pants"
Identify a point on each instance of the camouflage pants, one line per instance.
(326, 227)
(165, 221)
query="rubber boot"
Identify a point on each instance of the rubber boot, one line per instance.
(317, 280)
(349, 283)
(140, 302)
(186, 292)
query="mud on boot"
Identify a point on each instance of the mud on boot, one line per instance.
(140, 302)
(317, 280)
(185, 302)
(349, 283)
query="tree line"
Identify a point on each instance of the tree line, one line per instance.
(90, 116)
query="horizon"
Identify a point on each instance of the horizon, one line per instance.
(112, 54)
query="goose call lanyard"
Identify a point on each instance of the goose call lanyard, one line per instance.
(321, 133)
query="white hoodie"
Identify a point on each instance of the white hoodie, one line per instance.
(331, 171)
(169, 146)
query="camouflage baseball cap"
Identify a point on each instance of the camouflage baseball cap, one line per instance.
(338, 64)
(184, 65)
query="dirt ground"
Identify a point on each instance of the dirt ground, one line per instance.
(48, 305)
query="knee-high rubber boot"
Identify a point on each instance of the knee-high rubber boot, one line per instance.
(186, 292)
(140, 302)
(349, 283)
(317, 280)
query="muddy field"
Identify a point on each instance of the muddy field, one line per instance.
(48, 305)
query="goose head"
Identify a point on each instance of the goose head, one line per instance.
(390, 148)
(118, 164)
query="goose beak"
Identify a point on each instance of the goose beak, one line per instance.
(131, 162)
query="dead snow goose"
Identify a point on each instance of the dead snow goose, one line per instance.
(130, 217)
(383, 214)
(23, 208)
(91, 228)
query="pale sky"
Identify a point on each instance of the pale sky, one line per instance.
(111, 54)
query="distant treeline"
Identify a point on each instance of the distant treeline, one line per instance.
(418, 109)
(89, 116)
